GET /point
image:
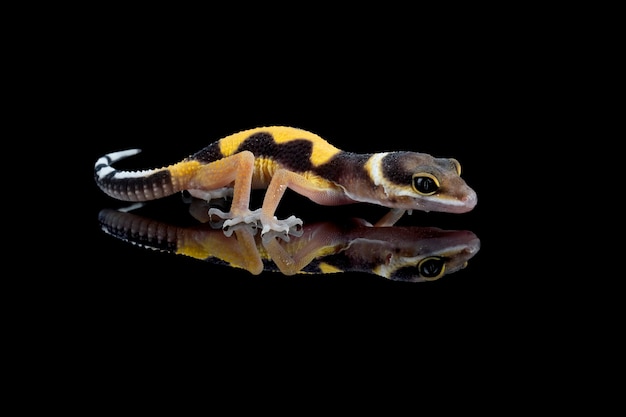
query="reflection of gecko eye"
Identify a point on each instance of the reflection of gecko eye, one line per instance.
(432, 268)
(425, 183)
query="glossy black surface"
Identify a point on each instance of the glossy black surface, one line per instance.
(172, 100)
(114, 326)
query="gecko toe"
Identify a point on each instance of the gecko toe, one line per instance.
(217, 218)
(296, 230)
(247, 227)
(273, 234)
(290, 226)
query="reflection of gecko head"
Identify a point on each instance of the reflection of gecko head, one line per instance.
(417, 254)
(412, 254)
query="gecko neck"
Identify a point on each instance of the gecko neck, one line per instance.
(348, 170)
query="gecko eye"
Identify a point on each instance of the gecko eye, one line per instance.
(425, 184)
(457, 166)
(432, 268)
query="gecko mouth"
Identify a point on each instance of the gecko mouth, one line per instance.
(467, 204)
(452, 206)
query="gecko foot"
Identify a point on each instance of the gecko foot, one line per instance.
(250, 228)
(227, 220)
(290, 226)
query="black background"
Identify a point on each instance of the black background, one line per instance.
(171, 98)
(362, 104)
(104, 322)
(171, 88)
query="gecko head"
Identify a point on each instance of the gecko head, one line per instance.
(418, 181)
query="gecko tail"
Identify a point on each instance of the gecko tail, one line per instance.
(143, 185)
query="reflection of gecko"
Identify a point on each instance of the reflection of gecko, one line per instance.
(408, 253)
(276, 158)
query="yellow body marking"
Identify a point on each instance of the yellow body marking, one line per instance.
(328, 269)
(264, 169)
(184, 170)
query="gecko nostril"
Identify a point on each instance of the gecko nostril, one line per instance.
(470, 199)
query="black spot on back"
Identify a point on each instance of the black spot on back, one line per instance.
(208, 154)
(294, 154)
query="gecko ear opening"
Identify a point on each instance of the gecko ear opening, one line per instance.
(425, 183)
(457, 166)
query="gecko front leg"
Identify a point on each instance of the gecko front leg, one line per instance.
(390, 218)
(281, 180)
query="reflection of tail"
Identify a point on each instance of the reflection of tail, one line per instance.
(132, 185)
(138, 231)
